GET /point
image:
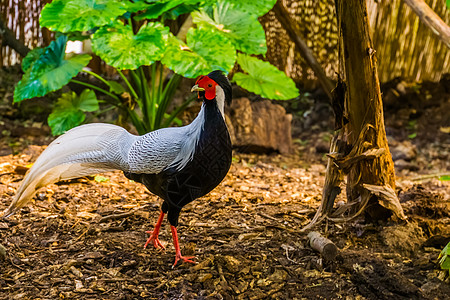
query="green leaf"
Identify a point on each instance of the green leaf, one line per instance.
(156, 9)
(31, 57)
(79, 15)
(118, 46)
(444, 257)
(65, 102)
(79, 35)
(445, 251)
(206, 50)
(87, 101)
(448, 4)
(168, 9)
(184, 8)
(115, 87)
(61, 121)
(412, 135)
(50, 71)
(69, 110)
(65, 115)
(100, 178)
(138, 5)
(259, 8)
(444, 178)
(264, 79)
(241, 28)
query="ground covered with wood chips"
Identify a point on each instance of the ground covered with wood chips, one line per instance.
(84, 239)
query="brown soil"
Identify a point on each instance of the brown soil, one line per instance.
(83, 239)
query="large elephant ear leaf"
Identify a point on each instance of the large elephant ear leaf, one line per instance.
(50, 71)
(119, 47)
(31, 57)
(264, 79)
(69, 111)
(259, 8)
(79, 15)
(240, 27)
(166, 8)
(65, 114)
(154, 10)
(205, 50)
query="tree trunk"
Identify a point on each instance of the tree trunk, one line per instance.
(359, 148)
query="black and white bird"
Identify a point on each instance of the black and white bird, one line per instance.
(179, 164)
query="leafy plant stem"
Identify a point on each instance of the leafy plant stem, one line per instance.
(152, 96)
(132, 91)
(98, 89)
(96, 76)
(137, 87)
(106, 110)
(136, 122)
(179, 109)
(160, 84)
(167, 97)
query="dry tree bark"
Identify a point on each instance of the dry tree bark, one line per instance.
(326, 248)
(359, 148)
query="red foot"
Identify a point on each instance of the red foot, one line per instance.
(178, 255)
(155, 233)
(154, 240)
(183, 258)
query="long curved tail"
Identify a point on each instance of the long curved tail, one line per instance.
(85, 150)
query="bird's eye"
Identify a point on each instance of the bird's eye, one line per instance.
(210, 85)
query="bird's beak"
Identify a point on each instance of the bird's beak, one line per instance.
(196, 88)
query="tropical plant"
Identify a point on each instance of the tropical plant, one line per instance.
(131, 36)
(444, 258)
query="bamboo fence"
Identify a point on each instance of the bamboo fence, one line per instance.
(405, 47)
(22, 17)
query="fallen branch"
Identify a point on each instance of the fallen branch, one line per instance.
(422, 177)
(9, 39)
(293, 31)
(324, 246)
(121, 215)
(430, 19)
(117, 216)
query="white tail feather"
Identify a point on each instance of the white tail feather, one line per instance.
(85, 150)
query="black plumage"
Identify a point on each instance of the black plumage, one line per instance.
(209, 165)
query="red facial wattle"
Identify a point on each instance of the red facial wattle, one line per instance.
(209, 85)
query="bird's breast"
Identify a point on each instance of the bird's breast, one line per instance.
(206, 169)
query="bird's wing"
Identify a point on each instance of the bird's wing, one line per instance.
(156, 150)
(97, 148)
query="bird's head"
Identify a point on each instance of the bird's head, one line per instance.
(215, 85)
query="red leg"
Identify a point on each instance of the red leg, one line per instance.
(154, 234)
(178, 255)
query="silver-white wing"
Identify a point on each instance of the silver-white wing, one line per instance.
(97, 148)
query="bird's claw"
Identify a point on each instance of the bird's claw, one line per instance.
(154, 240)
(187, 259)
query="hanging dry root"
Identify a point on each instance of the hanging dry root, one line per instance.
(340, 164)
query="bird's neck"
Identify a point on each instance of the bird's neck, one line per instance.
(207, 120)
(210, 111)
(220, 101)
